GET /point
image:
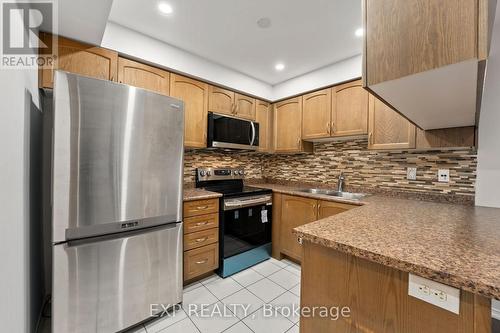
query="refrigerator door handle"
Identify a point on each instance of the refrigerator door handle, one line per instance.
(124, 234)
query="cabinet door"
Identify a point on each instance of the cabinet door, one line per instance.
(245, 107)
(288, 125)
(221, 100)
(296, 211)
(316, 122)
(143, 76)
(349, 109)
(388, 129)
(195, 96)
(263, 117)
(330, 208)
(79, 58)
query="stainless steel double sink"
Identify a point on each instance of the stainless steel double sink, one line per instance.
(343, 195)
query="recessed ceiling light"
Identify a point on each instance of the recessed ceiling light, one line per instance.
(165, 8)
(359, 32)
(264, 22)
(279, 66)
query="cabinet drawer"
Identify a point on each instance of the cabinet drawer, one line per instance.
(200, 238)
(199, 223)
(201, 207)
(200, 261)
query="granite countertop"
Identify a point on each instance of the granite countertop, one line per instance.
(453, 244)
(191, 194)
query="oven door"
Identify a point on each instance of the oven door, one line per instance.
(246, 225)
(233, 133)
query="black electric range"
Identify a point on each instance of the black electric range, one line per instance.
(245, 219)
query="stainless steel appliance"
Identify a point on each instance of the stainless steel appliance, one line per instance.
(245, 219)
(116, 204)
(233, 133)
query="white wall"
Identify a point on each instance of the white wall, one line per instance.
(139, 46)
(488, 170)
(341, 71)
(15, 88)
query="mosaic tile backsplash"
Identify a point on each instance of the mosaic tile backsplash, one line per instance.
(363, 168)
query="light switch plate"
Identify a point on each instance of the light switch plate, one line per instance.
(435, 293)
(411, 173)
(444, 175)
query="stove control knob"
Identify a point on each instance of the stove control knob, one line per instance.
(209, 173)
(202, 173)
(241, 172)
(235, 172)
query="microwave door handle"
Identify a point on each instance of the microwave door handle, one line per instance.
(253, 133)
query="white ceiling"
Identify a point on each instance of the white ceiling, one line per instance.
(304, 34)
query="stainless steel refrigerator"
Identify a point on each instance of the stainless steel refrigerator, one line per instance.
(117, 171)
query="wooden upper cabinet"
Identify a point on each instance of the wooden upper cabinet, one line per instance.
(330, 208)
(288, 127)
(418, 51)
(316, 115)
(244, 106)
(221, 100)
(349, 109)
(263, 118)
(405, 37)
(296, 211)
(79, 58)
(446, 137)
(143, 76)
(194, 94)
(387, 128)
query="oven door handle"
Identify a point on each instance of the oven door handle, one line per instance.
(229, 205)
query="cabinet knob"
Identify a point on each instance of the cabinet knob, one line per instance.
(300, 240)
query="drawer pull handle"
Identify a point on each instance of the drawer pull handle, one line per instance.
(201, 223)
(202, 207)
(199, 240)
(201, 262)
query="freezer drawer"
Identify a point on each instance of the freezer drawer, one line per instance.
(109, 284)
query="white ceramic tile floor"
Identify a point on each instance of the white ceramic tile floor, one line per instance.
(237, 304)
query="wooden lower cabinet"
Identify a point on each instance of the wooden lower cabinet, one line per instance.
(377, 297)
(330, 208)
(290, 212)
(200, 261)
(295, 211)
(201, 238)
(201, 207)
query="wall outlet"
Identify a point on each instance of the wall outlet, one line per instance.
(435, 293)
(411, 173)
(444, 175)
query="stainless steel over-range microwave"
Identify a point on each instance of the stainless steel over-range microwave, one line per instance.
(233, 133)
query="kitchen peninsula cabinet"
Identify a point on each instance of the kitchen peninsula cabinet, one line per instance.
(291, 211)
